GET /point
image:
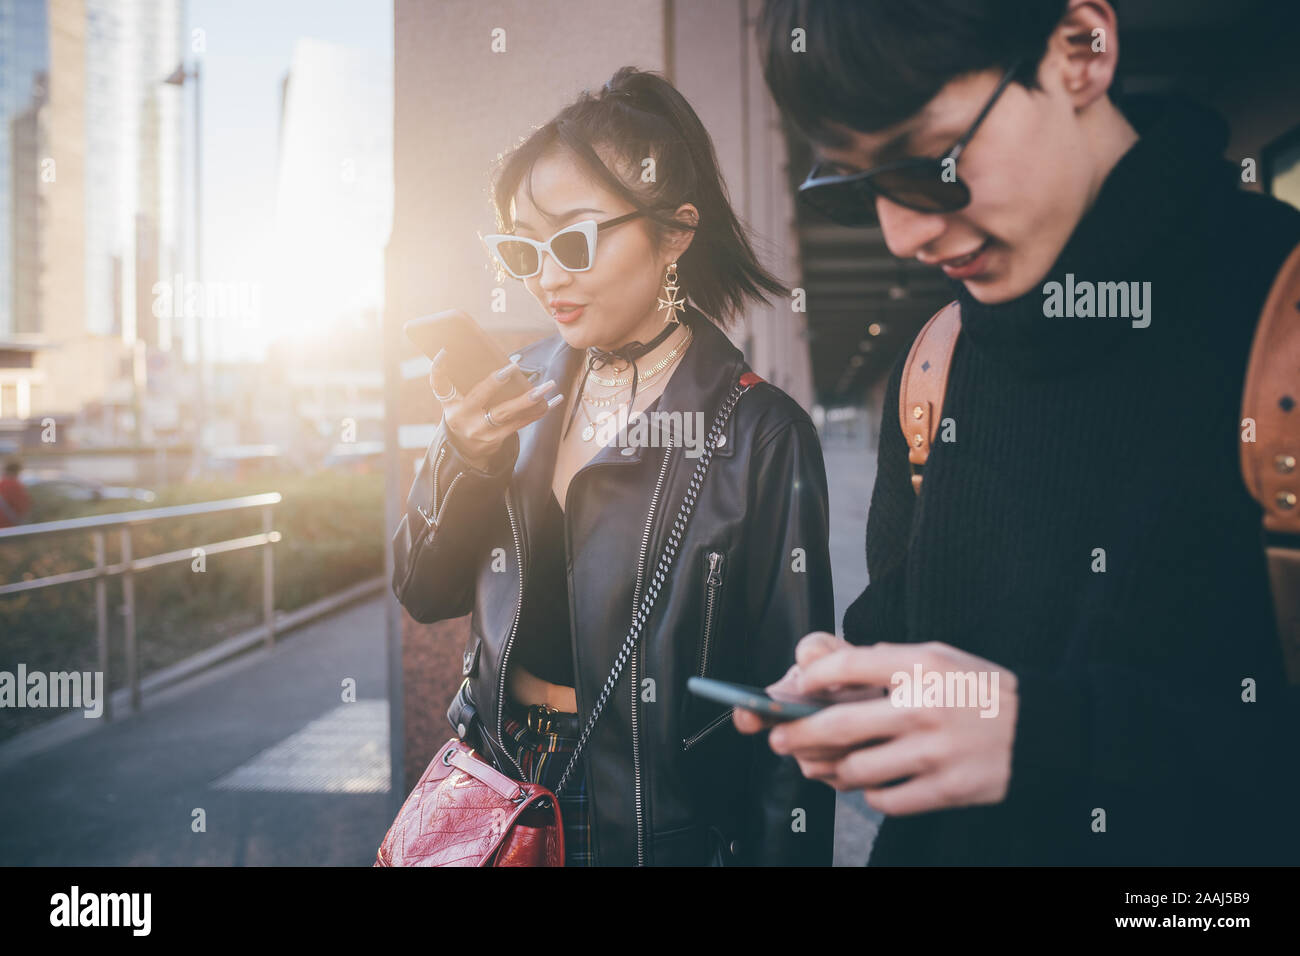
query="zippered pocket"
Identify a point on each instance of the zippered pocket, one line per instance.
(715, 562)
(721, 720)
(712, 592)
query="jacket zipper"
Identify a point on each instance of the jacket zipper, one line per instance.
(505, 655)
(636, 687)
(711, 585)
(437, 509)
(707, 729)
(430, 517)
(431, 522)
(437, 467)
(447, 497)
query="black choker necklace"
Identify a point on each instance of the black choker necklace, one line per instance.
(629, 353)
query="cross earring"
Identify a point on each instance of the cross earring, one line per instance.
(672, 303)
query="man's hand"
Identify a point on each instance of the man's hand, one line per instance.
(936, 751)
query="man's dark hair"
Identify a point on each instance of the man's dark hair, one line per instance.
(639, 114)
(13, 467)
(872, 63)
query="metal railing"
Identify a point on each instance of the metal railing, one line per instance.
(99, 526)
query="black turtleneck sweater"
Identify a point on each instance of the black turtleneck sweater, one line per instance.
(1074, 434)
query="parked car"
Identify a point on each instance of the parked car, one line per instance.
(361, 457)
(64, 486)
(238, 462)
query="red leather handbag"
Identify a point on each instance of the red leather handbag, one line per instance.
(464, 812)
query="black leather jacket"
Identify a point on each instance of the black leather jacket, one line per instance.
(669, 778)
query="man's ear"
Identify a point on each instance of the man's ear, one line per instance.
(1084, 50)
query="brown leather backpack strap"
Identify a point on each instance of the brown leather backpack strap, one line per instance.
(925, 379)
(1270, 465)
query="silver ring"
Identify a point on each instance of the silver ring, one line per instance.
(487, 416)
(445, 398)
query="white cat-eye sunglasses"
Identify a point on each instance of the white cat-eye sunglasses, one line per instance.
(573, 248)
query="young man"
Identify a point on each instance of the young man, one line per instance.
(1085, 546)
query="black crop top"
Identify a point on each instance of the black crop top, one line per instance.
(543, 644)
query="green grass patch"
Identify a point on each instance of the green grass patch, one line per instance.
(332, 536)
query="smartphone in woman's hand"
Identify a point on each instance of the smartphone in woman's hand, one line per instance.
(471, 354)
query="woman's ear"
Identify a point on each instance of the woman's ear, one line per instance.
(677, 241)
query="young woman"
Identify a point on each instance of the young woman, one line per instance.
(546, 514)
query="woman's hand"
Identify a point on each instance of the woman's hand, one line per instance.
(477, 438)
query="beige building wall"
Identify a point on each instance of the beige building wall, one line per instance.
(714, 61)
(457, 105)
(63, 285)
(76, 367)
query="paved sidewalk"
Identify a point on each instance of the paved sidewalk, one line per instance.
(285, 773)
(850, 473)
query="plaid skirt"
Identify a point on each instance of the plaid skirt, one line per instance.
(543, 757)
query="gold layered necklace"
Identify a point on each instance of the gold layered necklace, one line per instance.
(615, 400)
(606, 402)
(652, 371)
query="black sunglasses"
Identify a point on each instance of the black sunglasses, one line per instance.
(917, 182)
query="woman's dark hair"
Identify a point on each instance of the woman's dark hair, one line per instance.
(639, 115)
(869, 64)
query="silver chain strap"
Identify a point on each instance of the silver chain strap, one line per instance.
(660, 577)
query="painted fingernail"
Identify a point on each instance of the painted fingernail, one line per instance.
(554, 400)
(540, 390)
(504, 372)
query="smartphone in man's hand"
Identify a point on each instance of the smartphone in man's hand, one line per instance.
(778, 706)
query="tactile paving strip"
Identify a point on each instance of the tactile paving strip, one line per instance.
(345, 751)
